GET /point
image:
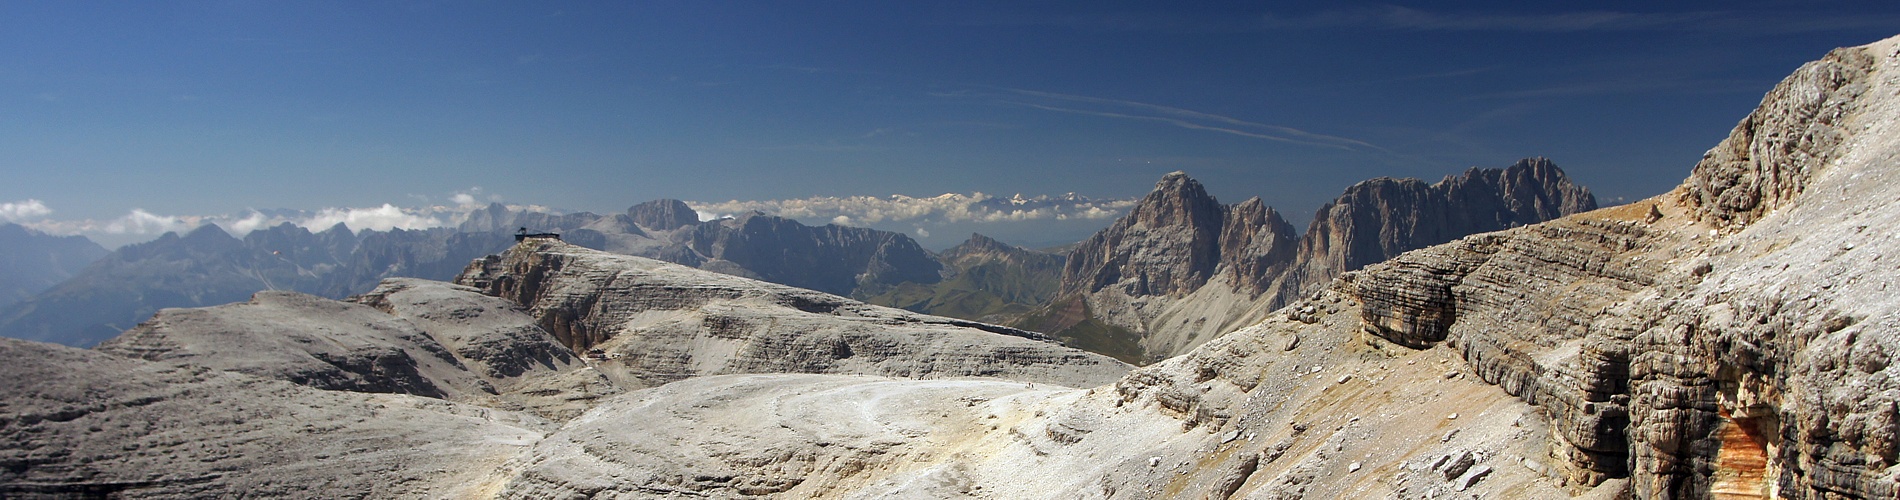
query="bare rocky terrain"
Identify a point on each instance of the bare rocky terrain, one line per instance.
(659, 322)
(1731, 338)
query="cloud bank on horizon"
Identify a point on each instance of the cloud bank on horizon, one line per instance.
(942, 209)
(139, 225)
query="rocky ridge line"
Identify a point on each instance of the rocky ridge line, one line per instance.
(1180, 268)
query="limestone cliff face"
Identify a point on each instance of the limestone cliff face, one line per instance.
(1180, 268)
(1729, 338)
(1788, 334)
(1256, 246)
(1773, 154)
(1381, 218)
(663, 322)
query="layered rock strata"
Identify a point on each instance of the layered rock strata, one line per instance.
(1726, 338)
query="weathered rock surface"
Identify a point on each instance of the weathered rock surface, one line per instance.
(1238, 418)
(407, 336)
(661, 322)
(304, 339)
(83, 424)
(1180, 268)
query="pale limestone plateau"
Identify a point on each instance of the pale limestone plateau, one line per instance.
(659, 322)
(1732, 338)
(425, 389)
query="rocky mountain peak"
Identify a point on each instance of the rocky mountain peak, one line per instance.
(1166, 245)
(979, 246)
(210, 237)
(981, 249)
(339, 228)
(1256, 244)
(663, 214)
(494, 217)
(1176, 200)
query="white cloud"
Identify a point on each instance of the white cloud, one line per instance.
(921, 233)
(946, 208)
(140, 225)
(381, 218)
(472, 198)
(257, 220)
(141, 222)
(20, 211)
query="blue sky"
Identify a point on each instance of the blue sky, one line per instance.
(197, 108)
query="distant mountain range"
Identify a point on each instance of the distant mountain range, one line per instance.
(1177, 270)
(208, 266)
(985, 280)
(32, 261)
